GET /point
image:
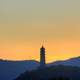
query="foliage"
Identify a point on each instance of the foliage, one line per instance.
(52, 73)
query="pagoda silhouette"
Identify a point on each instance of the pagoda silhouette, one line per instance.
(42, 57)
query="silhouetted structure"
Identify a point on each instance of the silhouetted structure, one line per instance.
(42, 57)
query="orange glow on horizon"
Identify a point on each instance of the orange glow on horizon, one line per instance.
(54, 51)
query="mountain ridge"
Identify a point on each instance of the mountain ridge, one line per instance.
(10, 69)
(75, 61)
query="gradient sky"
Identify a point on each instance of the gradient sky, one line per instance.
(25, 24)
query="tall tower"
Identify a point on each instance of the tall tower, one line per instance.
(42, 57)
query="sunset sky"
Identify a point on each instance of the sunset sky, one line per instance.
(27, 24)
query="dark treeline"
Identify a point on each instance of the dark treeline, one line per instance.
(52, 73)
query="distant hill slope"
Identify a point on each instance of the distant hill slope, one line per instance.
(70, 62)
(11, 69)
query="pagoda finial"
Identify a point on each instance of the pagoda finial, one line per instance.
(43, 44)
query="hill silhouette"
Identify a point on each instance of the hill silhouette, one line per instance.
(9, 70)
(59, 70)
(52, 73)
